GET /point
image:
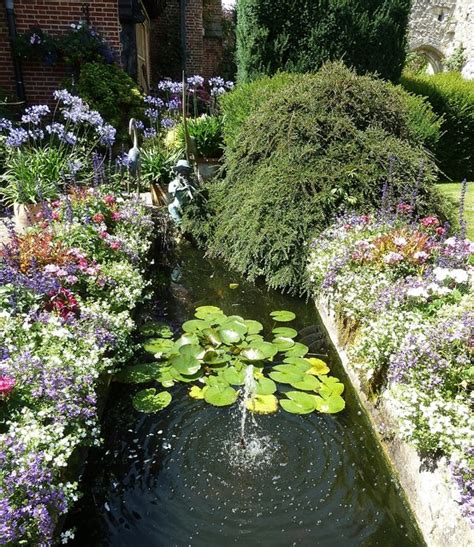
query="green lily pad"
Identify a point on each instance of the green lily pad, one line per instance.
(262, 404)
(185, 378)
(229, 336)
(137, 374)
(234, 376)
(148, 400)
(308, 383)
(213, 336)
(265, 386)
(203, 312)
(156, 329)
(285, 378)
(282, 316)
(259, 351)
(253, 327)
(283, 343)
(298, 362)
(331, 383)
(298, 350)
(299, 403)
(216, 357)
(330, 406)
(164, 376)
(197, 392)
(220, 396)
(185, 340)
(233, 285)
(285, 332)
(195, 325)
(255, 338)
(185, 364)
(158, 345)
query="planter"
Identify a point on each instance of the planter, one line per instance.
(24, 215)
(207, 169)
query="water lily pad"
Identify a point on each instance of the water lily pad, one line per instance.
(265, 386)
(317, 367)
(285, 332)
(253, 327)
(165, 376)
(137, 374)
(282, 316)
(298, 350)
(195, 325)
(255, 338)
(330, 406)
(299, 403)
(308, 383)
(259, 351)
(197, 392)
(158, 346)
(213, 336)
(234, 376)
(233, 285)
(331, 385)
(298, 362)
(185, 364)
(203, 312)
(229, 336)
(283, 343)
(157, 329)
(185, 340)
(262, 404)
(186, 378)
(286, 377)
(148, 400)
(220, 396)
(216, 357)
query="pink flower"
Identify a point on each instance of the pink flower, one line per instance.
(72, 279)
(115, 245)
(365, 219)
(51, 268)
(440, 231)
(116, 216)
(60, 272)
(109, 199)
(404, 208)
(393, 258)
(55, 215)
(104, 234)
(428, 222)
(91, 270)
(98, 218)
(83, 264)
(39, 215)
(420, 256)
(56, 203)
(6, 385)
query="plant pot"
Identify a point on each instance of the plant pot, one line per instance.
(159, 196)
(24, 215)
(207, 169)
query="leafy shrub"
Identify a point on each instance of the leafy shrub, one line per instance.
(111, 91)
(302, 157)
(369, 36)
(206, 134)
(156, 163)
(424, 125)
(453, 97)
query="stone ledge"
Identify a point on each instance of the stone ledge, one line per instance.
(428, 490)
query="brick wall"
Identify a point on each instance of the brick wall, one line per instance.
(53, 16)
(212, 38)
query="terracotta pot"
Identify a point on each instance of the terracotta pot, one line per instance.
(207, 169)
(24, 215)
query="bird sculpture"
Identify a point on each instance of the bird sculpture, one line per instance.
(134, 154)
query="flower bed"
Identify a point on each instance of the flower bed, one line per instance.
(402, 294)
(68, 286)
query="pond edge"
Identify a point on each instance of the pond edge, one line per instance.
(427, 490)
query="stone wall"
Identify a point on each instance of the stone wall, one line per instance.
(439, 27)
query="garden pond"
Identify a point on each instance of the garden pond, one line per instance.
(181, 477)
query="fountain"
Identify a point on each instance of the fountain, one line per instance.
(250, 389)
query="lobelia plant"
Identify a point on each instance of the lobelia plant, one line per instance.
(213, 356)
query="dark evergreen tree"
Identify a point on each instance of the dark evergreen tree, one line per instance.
(300, 35)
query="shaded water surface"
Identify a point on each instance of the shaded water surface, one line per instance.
(172, 479)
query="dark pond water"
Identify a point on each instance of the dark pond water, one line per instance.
(170, 479)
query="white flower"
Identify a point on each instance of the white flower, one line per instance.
(460, 276)
(417, 292)
(400, 241)
(441, 273)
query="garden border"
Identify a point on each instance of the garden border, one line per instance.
(427, 489)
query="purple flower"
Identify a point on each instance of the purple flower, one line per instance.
(5, 125)
(167, 123)
(195, 81)
(17, 137)
(35, 39)
(154, 101)
(149, 133)
(152, 113)
(107, 134)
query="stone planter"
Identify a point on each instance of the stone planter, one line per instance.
(24, 215)
(207, 169)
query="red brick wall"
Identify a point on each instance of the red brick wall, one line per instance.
(212, 41)
(53, 16)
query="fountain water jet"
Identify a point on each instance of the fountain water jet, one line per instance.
(250, 390)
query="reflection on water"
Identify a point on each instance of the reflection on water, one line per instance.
(181, 478)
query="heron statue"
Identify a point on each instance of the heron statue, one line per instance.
(134, 154)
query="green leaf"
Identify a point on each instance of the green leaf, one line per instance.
(219, 395)
(233, 285)
(197, 392)
(158, 345)
(259, 351)
(185, 364)
(282, 316)
(265, 386)
(148, 400)
(285, 378)
(253, 327)
(204, 312)
(283, 343)
(285, 332)
(299, 403)
(229, 336)
(213, 336)
(234, 376)
(317, 367)
(308, 383)
(262, 404)
(185, 340)
(216, 357)
(298, 362)
(298, 350)
(330, 406)
(137, 374)
(332, 385)
(195, 325)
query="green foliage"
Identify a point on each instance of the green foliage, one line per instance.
(217, 352)
(452, 97)
(206, 134)
(457, 60)
(305, 155)
(301, 35)
(156, 163)
(33, 174)
(239, 104)
(112, 92)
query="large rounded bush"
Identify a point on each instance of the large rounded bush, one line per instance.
(325, 145)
